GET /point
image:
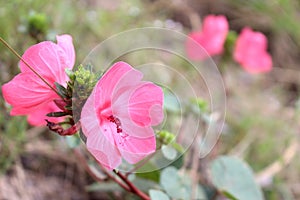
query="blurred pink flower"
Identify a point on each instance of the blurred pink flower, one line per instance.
(27, 93)
(212, 38)
(251, 52)
(118, 115)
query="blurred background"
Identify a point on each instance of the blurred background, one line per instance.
(262, 120)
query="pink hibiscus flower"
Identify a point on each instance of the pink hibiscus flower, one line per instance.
(251, 52)
(212, 38)
(118, 115)
(27, 93)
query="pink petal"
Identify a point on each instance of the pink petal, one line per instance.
(212, 38)
(251, 52)
(26, 92)
(135, 149)
(48, 59)
(38, 116)
(101, 146)
(114, 82)
(106, 153)
(195, 49)
(135, 130)
(145, 105)
(261, 64)
(65, 42)
(88, 117)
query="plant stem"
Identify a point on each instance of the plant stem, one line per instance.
(31, 68)
(124, 182)
(132, 187)
(82, 160)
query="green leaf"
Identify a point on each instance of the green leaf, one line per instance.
(146, 172)
(235, 179)
(169, 152)
(171, 102)
(173, 184)
(57, 114)
(61, 90)
(178, 163)
(158, 195)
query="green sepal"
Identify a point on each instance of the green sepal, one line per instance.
(62, 91)
(57, 114)
(70, 74)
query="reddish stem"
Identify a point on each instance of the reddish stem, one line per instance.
(86, 166)
(126, 184)
(132, 187)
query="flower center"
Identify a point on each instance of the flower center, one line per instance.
(116, 121)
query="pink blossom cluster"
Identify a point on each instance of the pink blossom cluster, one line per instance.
(117, 117)
(250, 49)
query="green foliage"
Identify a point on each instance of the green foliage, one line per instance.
(169, 152)
(12, 140)
(85, 81)
(37, 25)
(148, 173)
(201, 105)
(235, 179)
(171, 102)
(173, 184)
(158, 195)
(229, 44)
(177, 186)
(165, 137)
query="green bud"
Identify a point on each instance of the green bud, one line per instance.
(70, 74)
(37, 25)
(165, 137)
(85, 81)
(230, 42)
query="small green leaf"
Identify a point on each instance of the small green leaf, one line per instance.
(61, 90)
(169, 152)
(70, 74)
(173, 184)
(57, 114)
(235, 179)
(165, 136)
(158, 195)
(171, 102)
(146, 172)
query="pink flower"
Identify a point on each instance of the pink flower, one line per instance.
(212, 38)
(118, 115)
(251, 52)
(27, 93)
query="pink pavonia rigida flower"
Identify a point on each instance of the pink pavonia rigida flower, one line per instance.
(118, 116)
(27, 93)
(212, 38)
(251, 52)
